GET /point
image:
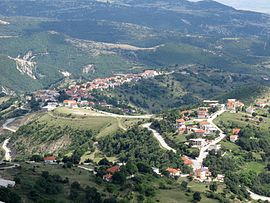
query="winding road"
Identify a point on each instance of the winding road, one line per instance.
(7, 150)
(160, 139)
(5, 143)
(198, 162)
(258, 197)
(5, 125)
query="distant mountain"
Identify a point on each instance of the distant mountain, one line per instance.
(64, 37)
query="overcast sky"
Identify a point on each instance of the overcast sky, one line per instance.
(254, 5)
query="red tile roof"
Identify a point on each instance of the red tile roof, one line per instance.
(113, 169)
(107, 176)
(173, 170)
(49, 158)
(70, 101)
(199, 131)
(180, 120)
(186, 160)
(204, 123)
(236, 131)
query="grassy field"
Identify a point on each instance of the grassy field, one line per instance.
(87, 119)
(229, 146)
(241, 120)
(65, 130)
(178, 196)
(96, 156)
(254, 167)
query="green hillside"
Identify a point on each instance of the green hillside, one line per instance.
(63, 131)
(186, 87)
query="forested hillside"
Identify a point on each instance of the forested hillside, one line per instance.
(42, 41)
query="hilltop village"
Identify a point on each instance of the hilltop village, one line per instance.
(82, 94)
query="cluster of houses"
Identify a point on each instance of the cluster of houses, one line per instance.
(46, 95)
(259, 104)
(234, 104)
(262, 103)
(201, 174)
(48, 99)
(200, 129)
(82, 91)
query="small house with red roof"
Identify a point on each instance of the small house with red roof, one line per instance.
(199, 132)
(182, 129)
(186, 160)
(233, 104)
(107, 177)
(205, 124)
(236, 131)
(234, 138)
(203, 113)
(180, 122)
(49, 160)
(174, 172)
(113, 169)
(70, 103)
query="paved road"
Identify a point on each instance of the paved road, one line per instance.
(87, 169)
(198, 162)
(122, 116)
(160, 139)
(98, 113)
(7, 150)
(258, 197)
(5, 144)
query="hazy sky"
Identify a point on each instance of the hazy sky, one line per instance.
(254, 5)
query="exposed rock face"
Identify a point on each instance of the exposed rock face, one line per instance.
(7, 90)
(65, 73)
(4, 22)
(90, 68)
(26, 65)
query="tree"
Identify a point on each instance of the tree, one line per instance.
(73, 195)
(119, 178)
(131, 168)
(110, 200)
(104, 162)
(6, 195)
(197, 197)
(92, 195)
(268, 167)
(62, 96)
(45, 174)
(213, 187)
(184, 185)
(75, 185)
(34, 104)
(36, 158)
(144, 168)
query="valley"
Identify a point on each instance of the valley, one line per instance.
(126, 101)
